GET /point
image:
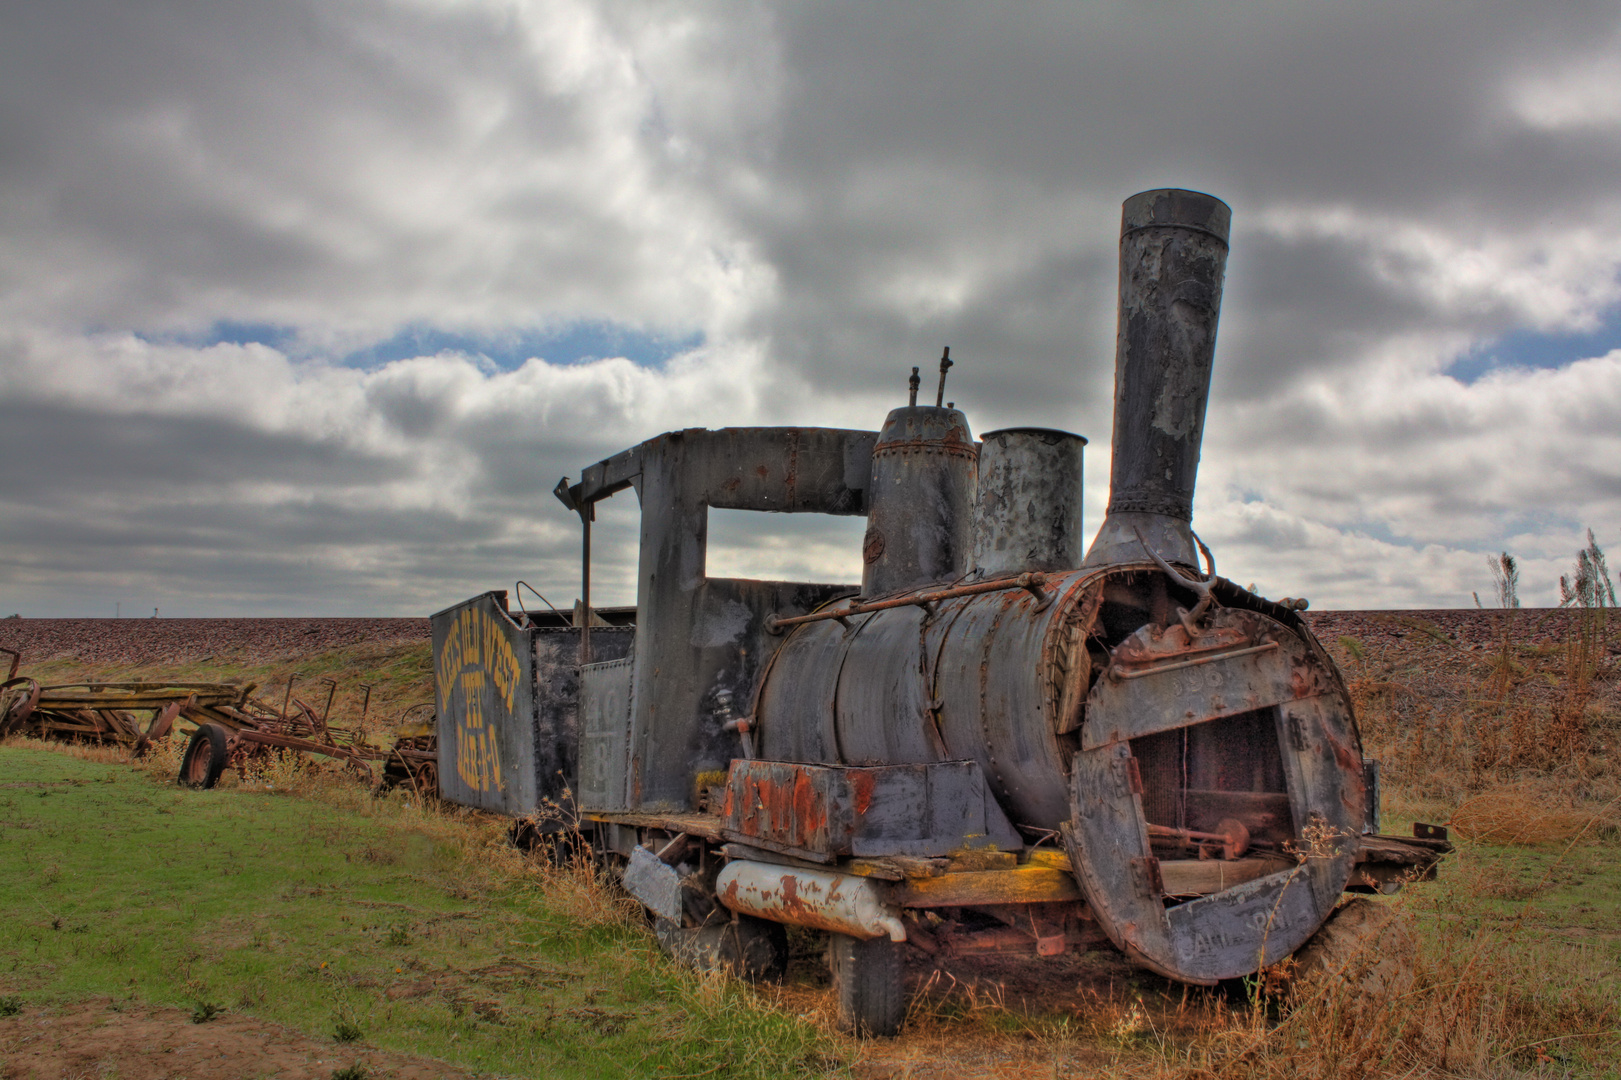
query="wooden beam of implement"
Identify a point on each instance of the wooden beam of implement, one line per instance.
(288, 742)
(162, 723)
(1050, 881)
(155, 691)
(125, 704)
(1022, 885)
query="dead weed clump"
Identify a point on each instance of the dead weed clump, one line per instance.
(1525, 816)
(576, 883)
(1471, 1002)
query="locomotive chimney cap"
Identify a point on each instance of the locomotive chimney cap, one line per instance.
(1176, 208)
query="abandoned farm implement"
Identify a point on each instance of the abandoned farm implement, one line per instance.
(229, 727)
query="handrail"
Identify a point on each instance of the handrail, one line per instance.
(1033, 582)
(1210, 657)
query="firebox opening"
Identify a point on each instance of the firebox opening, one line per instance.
(1200, 779)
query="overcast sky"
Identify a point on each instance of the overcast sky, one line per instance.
(305, 305)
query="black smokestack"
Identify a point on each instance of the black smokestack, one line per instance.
(1173, 257)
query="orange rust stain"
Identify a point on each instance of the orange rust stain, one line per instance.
(810, 815)
(761, 471)
(782, 809)
(754, 812)
(770, 818)
(791, 903)
(861, 784)
(1343, 755)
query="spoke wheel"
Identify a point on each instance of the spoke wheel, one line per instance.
(427, 780)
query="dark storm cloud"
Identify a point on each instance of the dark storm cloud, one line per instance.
(1035, 121)
(75, 450)
(331, 166)
(811, 198)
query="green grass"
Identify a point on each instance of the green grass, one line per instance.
(1551, 894)
(372, 921)
(1573, 901)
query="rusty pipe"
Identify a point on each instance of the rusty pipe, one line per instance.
(1233, 837)
(1190, 619)
(1220, 653)
(1034, 582)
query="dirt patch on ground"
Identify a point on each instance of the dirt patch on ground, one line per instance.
(186, 641)
(101, 1038)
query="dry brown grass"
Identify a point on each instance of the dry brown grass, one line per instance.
(1479, 1005)
(1521, 816)
(1521, 714)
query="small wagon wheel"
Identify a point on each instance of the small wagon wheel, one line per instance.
(426, 779)
(18, 697)
(205, 757)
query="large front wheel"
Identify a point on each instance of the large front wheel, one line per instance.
(867, 977)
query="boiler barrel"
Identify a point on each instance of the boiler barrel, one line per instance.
(981, 679)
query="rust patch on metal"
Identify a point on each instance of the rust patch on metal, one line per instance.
(861, 784)
(872, 548)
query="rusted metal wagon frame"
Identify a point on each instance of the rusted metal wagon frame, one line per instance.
(230, 726)
(106, 712)
(231, 736)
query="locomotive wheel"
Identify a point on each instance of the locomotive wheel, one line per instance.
(205, 757)
(1363, 946)
(752, 949)
(426, 780)
(867, 980)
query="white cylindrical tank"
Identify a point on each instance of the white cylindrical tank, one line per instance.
(839, 903)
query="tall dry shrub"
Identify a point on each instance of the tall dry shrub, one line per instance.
(1532, 711)
(1426, 989)
(1589, 591)
(1506, 584)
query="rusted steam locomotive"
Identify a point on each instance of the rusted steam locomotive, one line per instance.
(995, 742)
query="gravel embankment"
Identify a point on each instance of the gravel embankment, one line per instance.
(144, 642)
(168, 641)
(1468, 627)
